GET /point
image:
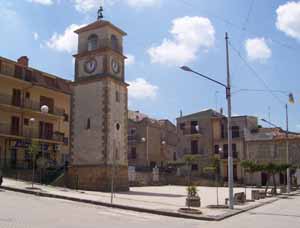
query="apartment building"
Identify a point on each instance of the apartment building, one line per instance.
(205, 134)
(23, 91)
(151, 143)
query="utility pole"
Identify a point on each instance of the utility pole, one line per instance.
(230, 162)
(288, 179)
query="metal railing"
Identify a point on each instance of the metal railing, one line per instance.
(225, 155)
(28, 132)
(29, 104)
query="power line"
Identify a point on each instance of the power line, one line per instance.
(256, 74)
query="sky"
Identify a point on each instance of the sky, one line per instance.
(264, 50)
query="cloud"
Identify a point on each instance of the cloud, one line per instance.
(86, 5)
(42, 2)
(189, 35)
(143, 3)
(35, 36)
(141, 89)
(288, 19)
(130, 59)
(66, 42)
(89, 5)
(257, 49)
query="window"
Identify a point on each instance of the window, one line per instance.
(194, 147)
(16, 97)
(27, 95)
(174, 156)
(133, 153)
(46, 130)
(88, 124)
(114, 42)
(132, 131)
(194, 127)
(182, 126)
(66, 117)
(152, 164)
(194, 167)
(18, 72)
(217, 149)
(235, 132)
(15, 125)
(92, 42)
(28, 75)
(47, 101)
(225, 150)
(222, 131)
(117, 96)
(26, 121)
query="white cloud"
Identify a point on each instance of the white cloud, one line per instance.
(89, 5)
(130, 59)
(66, 42)
(257, 49)
(143, 3)
(190, 34)
(86, 5)
(35, 36)
(288, 19)
(42, 2)
(141, 89)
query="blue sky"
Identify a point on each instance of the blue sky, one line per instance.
(164, 34)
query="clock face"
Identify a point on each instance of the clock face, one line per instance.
(90, 66)
(115, 66)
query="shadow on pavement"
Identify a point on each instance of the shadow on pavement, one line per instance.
(274, 214)
(150, 194)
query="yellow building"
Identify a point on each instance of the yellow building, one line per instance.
(23, 91)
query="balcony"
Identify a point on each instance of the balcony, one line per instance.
(28, 104)
(132, 139)
(225, 155)
(6, 129)
(191, 131)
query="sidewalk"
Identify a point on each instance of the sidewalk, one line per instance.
(162, 200)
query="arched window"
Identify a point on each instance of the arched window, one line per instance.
(92, 42)
(114, 42)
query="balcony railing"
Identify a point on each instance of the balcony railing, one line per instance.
(225, 155)
(29, 104)
(31, 133)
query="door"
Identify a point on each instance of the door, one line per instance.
(13, 158)
(15, 125)
(16, 97)
(264, 179)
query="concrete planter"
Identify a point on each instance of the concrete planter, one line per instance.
(193, 201)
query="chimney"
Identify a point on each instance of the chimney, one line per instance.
(221, 111)
(23, 60)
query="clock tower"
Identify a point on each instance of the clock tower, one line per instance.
(99, 110)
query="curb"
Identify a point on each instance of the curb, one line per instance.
(139, 209)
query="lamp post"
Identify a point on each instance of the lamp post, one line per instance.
(33, 155)
(44, 111)
(291, 101)
(228, 97)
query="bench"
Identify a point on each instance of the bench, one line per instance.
(239, 198)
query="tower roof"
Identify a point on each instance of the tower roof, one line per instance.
(99, 24)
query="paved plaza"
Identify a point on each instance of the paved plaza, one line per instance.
(161, 198)
(20, 210)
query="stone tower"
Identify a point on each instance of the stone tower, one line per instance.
(99, 110)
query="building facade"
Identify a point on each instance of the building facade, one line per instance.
(23, 91)
(151, 143)
(205, 134)
(99, 110)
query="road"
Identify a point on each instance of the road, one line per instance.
(19, 210)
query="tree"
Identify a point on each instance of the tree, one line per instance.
(215, 169)
(33, 151)
(189, 160)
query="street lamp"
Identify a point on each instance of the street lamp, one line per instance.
(228, 97)
(44, 111)
(291, 101)
(31, 124)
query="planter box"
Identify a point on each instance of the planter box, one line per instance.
(193, 202)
